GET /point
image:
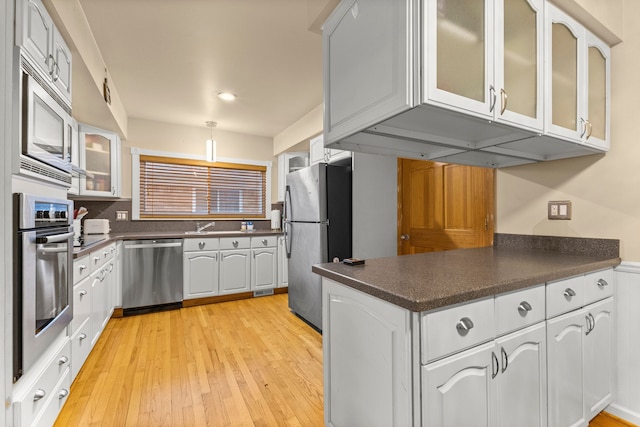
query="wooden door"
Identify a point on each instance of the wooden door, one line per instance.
(444, 206)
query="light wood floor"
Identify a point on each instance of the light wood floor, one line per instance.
(239, 363)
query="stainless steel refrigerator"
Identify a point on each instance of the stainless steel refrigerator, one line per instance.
(317, 229)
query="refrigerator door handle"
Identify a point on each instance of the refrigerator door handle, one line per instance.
(287, 204)
(287, 239)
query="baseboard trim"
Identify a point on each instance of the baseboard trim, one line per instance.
(623, 415)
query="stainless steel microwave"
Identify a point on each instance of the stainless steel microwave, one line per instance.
(46, 130)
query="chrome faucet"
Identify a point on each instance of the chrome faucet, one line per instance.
(204, 227)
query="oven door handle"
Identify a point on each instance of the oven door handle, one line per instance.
(57, 238)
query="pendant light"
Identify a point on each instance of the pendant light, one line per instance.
(211, 143)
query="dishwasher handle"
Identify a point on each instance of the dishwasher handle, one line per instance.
(153, 245)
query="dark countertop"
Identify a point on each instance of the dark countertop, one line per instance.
(428, 281)
(110, 238)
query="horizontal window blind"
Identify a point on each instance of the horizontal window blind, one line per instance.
(183, 188)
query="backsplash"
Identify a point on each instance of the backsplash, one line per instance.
(107, 210)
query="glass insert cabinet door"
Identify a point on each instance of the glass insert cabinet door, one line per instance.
(98, 159)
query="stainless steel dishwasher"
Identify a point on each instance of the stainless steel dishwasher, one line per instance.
(152, 276)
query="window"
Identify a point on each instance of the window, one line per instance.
(171, 187)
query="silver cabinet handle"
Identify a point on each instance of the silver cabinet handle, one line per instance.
(201, 245)
(63, 360)
(589, 326)
(83, 293)
(492, 92)
(39, 394)
(524, 308)
(495, 365)
(593, 322)
(235, 243)
(568, 293)
(503, 101)
(96, 259)
(264, 242)
(82, 267)
(464, 325)
(63, 393)
(82, 336)
(505, 359)
(602, 283)
(590, 127)
(583, 123)
(105, 253)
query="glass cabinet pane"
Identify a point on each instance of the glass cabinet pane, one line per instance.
(98, 162)
(520, 57)
(597, 93)
(564, 74)
(461, 48)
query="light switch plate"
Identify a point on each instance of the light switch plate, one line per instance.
(559, 209)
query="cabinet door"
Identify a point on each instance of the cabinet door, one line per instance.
(235, 271)
(200, 274)
(458, 54)
(519, 31)
(263, 268)
(598, 357)
(367, 362)
(521, 386)
(459, 391)
(564, 369)
(317, 152)
(368, 64)
(99, 157)
(283, 264)
(61, 68)
(97, 303)
(598, 85)
(565, 76)
(36, 35)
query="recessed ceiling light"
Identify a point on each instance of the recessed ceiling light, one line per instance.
(226, 96)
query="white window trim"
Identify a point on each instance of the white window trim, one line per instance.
(135, 177)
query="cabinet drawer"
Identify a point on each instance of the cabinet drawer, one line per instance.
(54, 405)
(81, 268)
(598, 285)
(235, 243)
(564, 296)
(26, 408)
(98, 257)
(200, 244)
(519, 309)
(263, 241)
(80, 348)
(454, 329)
(81, 304)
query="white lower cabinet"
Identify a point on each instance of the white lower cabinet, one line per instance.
(367, 362)
(598, 357)
(235, 265)
(200, 268)
(458, 390)
(264, 262)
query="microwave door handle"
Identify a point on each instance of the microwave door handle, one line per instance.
(55, 238)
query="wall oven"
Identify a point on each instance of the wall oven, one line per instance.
(43, 270)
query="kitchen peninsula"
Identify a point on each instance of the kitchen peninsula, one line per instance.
(518, 329)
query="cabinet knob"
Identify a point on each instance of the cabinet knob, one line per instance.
(63, 393)
(63, 360)
(82, 336)
(235, 243)
(82, 267)
(201, 245)
(568, 293)
(83, 293)
(264, 242)
(602, 283)
(39, 394)
(464, 326)
(524, 308)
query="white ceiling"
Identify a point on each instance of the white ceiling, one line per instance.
(169, 59)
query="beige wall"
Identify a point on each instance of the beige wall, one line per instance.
(604, 189)
(191, 140)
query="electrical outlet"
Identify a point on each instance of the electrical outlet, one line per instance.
(122, 215)
(559, 209)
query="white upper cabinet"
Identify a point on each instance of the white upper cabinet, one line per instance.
(100, 158)
(461, 81)
(579, 82)
(43, 45)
